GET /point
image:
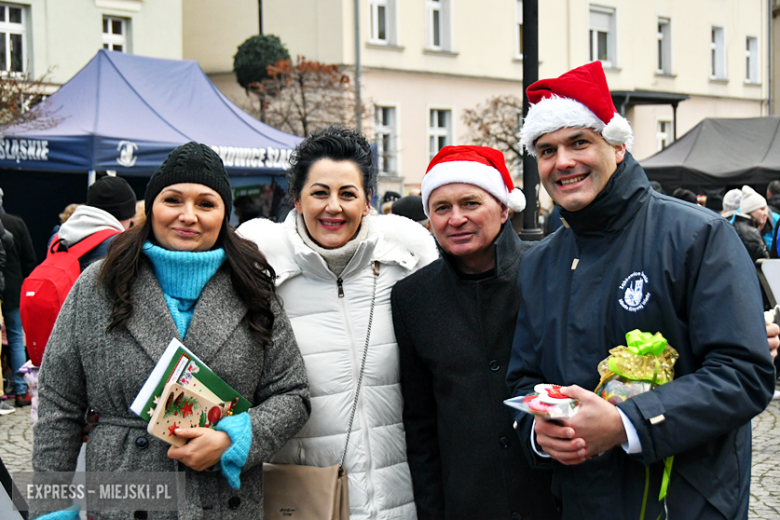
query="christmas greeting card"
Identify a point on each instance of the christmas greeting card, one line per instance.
(180, 407)
(179, 365)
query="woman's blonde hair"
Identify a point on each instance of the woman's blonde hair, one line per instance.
(140, 212)
(67, 212)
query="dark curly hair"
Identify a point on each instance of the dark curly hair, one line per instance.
(251, 276)
(336, 143)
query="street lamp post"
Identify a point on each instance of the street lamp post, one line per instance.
(531, 229)
(358, 72)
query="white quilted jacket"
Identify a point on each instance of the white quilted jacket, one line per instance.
(331, 333)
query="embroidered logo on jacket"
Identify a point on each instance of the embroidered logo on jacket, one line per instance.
(635, 295)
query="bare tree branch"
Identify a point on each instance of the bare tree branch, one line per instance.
(21, 105)
(496, 123)
(304, 96)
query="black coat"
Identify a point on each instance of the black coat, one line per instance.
(6, 242)
(455, 337)
(653, 263)
(20, 260)
(751, 237)
(774, 203)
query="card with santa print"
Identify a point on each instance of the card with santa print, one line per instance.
(181, 407)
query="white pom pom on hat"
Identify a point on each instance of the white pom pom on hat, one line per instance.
(516, 200)
(579, 98)
(480, 166)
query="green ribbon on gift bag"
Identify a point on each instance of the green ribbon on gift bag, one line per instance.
(645, 344)
(667, 475)
(638, 360)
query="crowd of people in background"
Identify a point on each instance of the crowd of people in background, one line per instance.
(386, 339)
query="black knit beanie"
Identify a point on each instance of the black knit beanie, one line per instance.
(113, 195)
(410, 207)
(191, 162)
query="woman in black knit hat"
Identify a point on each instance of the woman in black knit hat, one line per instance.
(182, 274)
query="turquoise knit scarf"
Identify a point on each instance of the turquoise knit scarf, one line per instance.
(182, 276)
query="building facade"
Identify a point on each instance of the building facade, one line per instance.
(775, 56)
(424, 62)
(57, 38)
(715, 52)
(212, 31)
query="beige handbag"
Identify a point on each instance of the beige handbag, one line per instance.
(305, 492)
(296, 492)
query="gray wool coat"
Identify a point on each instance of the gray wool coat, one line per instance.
(84, 366)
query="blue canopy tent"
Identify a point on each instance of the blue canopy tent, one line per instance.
(126, 113)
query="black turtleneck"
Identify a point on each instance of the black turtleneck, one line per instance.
(625, 192)
(506, 245)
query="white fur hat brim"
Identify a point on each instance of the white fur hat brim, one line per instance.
(553, 113)
(474, 173)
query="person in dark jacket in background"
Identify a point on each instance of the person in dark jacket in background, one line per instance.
(454, 321)
(633, 259)
(773, 196)
(714, 201)
(686, 195)
(747, 226)
(6, 243)
(110, 205)
(20, 261)
(754, 243)
(755, 206)
(773, 205)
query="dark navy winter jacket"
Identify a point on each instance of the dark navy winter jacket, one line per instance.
(635, 259)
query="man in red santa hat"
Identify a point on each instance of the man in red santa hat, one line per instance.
(629, 258)
(454, 322)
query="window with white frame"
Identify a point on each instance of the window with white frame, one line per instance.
(439, 131)
(717, 54)
(115, 33)
(385, 132)
(664, 46)
(663, 135)
(438, 24)
(382, 17)
(13, 41)
(751, 60)
(519, 28)
(603, 35)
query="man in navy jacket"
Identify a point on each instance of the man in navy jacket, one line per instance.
(629, 258)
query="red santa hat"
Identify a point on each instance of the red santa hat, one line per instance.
(579, 98)
(478, 165)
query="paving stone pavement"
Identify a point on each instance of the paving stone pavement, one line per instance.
(16, 449)
(765, 475)
(16, 438)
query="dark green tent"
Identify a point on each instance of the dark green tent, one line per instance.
(720, 153)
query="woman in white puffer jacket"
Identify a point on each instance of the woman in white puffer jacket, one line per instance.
(325, 255)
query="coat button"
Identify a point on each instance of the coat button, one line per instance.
(234, 502)
(504, 442)
(141, 442)
(141, 515)
(494, 366)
